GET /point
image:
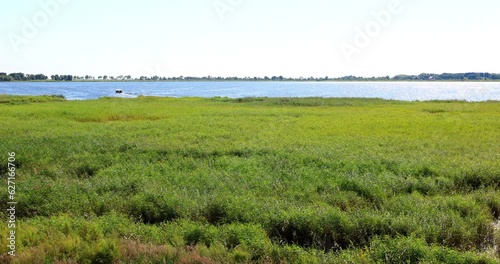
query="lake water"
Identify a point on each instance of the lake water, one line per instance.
(408, 91)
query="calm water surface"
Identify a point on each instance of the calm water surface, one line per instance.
(408, 91)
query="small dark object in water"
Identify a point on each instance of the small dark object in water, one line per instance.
(118, 91)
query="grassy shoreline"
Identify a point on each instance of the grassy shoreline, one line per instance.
(265, 180)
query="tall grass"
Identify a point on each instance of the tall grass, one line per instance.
(266, 180)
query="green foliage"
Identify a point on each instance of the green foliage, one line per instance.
(470, 76)
(266, 180)
(154, 208)
(105, 253)
(414, 250)
(14, 100)
(406, 250)
(5, 78)
(196, 234)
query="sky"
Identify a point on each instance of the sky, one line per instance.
(293, 38)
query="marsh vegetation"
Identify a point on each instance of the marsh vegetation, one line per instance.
(252, 180)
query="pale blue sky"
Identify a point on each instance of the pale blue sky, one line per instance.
(256, 38)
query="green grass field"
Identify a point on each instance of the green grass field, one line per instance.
(253, 180)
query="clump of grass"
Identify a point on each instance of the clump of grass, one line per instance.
(477, 179)
(216, 212)
(371, 194)
(195, 234)
(414, 250)
(154, 208)
(15, 100)
(328, 230)
(492, 199)
(435, 111)
(405, 250)
(85, 171)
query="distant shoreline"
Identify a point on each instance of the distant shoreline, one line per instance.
(256, 81)
(423, 77)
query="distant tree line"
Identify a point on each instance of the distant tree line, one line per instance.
(67, 78)
(4, 77)
(471, 76)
